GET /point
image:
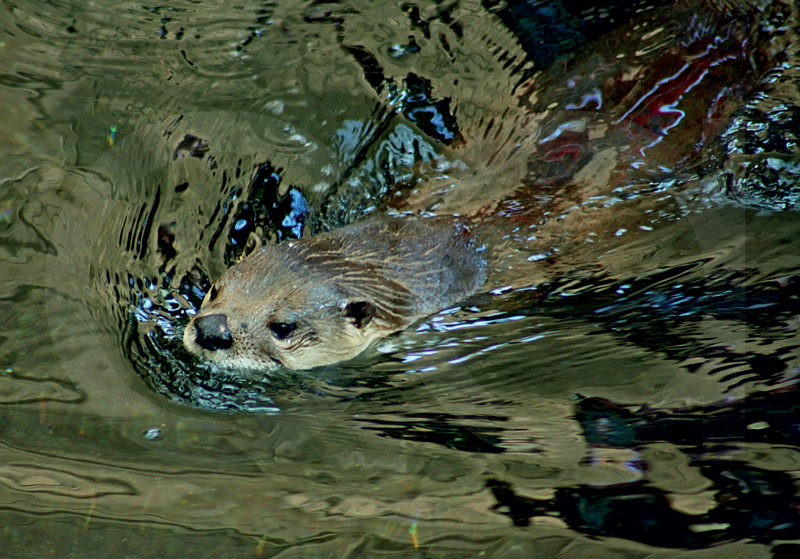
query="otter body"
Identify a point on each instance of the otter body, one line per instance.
(568, 159)
(312, 302)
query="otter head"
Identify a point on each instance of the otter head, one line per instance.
(294, 305)
(312, 302)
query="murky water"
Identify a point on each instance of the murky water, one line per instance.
(625, 384)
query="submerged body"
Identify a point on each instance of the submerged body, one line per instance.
(312, 302)
(563, 163)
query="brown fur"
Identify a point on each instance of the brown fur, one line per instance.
(334, 293)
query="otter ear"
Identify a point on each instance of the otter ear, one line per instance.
(254, 241)
(361, 312)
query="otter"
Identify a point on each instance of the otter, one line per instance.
(316, 301)
(571, 155)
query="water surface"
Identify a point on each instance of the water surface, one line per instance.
(596, 396)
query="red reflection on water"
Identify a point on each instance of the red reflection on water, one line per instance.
(680, 82)
(666, 104)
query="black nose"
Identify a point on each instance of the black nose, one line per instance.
(212, 332)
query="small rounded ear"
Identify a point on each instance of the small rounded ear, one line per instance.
(254, 242)
(361, 312)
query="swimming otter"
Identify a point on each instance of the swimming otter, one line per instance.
(287, 305)
(566, 156)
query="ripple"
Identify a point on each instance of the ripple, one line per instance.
(573, 396)
(19, 389)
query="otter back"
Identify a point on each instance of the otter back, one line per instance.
(316, 301)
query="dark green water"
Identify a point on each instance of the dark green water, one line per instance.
(659, 274)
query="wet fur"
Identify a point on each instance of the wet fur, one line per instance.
(340, 290)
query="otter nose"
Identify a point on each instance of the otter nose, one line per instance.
(212, 332)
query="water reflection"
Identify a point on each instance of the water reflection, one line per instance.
(627, 378)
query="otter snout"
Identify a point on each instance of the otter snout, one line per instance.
(212, 332)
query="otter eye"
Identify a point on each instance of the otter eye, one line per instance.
(213, 293)
(282, 330)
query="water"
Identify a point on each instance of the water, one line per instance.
(628, 372)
